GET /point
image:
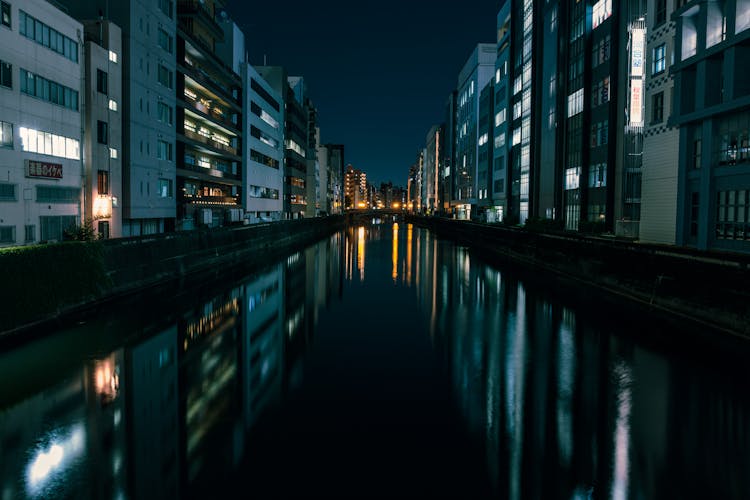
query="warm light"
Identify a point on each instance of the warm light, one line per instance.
(103, 207)
(361, 204)
(361, 252)
(394, 254)
(396, 205)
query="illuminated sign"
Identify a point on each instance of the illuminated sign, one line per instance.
(636, 103)
(636, 53)
(43, 169)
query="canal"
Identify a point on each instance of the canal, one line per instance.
(380, 362)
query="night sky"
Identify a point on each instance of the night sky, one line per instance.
(379, 73)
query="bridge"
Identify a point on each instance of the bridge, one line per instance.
(367, 214)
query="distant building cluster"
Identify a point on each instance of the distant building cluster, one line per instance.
(359, 194)
(144, 118)
(630, 118)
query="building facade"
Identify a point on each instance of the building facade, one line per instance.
(102, 145)
(712, 110)
(41, 123)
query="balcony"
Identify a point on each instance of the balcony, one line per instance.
(194, 136)
(212, 200)
(191, 10)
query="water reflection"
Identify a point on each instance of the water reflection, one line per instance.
(561, 401)
(169, 413)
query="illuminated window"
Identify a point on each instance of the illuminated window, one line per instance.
(113, 153)
(35, 141)
(600, 12)
(5, 12)
(659, 61)
(113, 56)
(113, 105)
(6, 135)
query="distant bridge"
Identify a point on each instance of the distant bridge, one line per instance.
(361, 215)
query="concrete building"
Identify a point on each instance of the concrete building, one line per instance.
(661, 138)
(148, 65)
(102, 145)
(356, 194)
(41, 122)
(263, 175)
(499, 184)
(446, 192)
(331, 161)
(432, 165)
(485, 156)
(209, 121)
(712, 110)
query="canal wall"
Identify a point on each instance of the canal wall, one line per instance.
(710, 288)
(45, 282)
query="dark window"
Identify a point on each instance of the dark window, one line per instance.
(7, 191)
(661, 12)
(7, 234)
(52, 227)
(697, 153)
(265, 95)
(657, 107)
(102, 183)
(694, 209)
(6, 74)
(103, 229)
(101, 82)
(5, 8)
(29, 233)
(102, 132)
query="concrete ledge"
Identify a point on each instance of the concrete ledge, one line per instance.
(104, 271)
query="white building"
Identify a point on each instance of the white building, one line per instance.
(41, 70)
(102, 145)
(263, 177)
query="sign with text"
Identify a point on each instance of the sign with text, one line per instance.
(636, 103)
(44, 169)
(636, 54)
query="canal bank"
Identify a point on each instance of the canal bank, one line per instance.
(49, 282)
(709, 288)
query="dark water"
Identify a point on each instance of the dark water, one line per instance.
(384, 363)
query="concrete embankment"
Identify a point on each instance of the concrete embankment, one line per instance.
(710, 288)
(51, 281)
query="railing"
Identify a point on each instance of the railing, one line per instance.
(209, 142)
(211, 112)
(198, 9)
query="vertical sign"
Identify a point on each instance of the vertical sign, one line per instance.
(636, 76)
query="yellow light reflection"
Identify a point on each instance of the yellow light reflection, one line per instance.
(409, 230)
(394, 256)
(361, 252)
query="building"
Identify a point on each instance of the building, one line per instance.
(477, 71)
(209, 121)
(485, 154)
(355, 189)
(263, 135)
(331, 158)
(712, 111)
(41, 123)
(499, 181)
(102, 144)
(661, 138)
(432, 166)
(148, 66)
(446, 192)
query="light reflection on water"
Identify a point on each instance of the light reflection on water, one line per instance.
(560, 402)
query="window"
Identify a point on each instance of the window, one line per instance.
(7, 234)
(259, 157)
(165, 77)
(657, 107)
(113, 153)
(113, 56)
(166, 7)
(53, 92)
(6, 135)
(164, 150)
(6, 74)
(29, 233)
(112, 105)
(165, 188)
(103, 229)
(5, 10)
(7, 191)
(661, 12)
(166, 41)
(101, 82)
(164, 113)
(659, 62)
(102, 182)
(575, 103)
(694, 212)
(36, 141)
(102, 132)
(42, 34)
(55, 194)
(53, 227)
(601, 12)
(598, 175)
(255, 86)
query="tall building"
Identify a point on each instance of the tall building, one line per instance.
(41, 122)
(446, 191)
(148, 67)
(432, 163)
(263, 175)
(485, 155)
(661, 137)
(355, 189)
(712, 110)
(334, 154)
(209, 119)
(499, 185)
(477, 71)
(102, 145)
